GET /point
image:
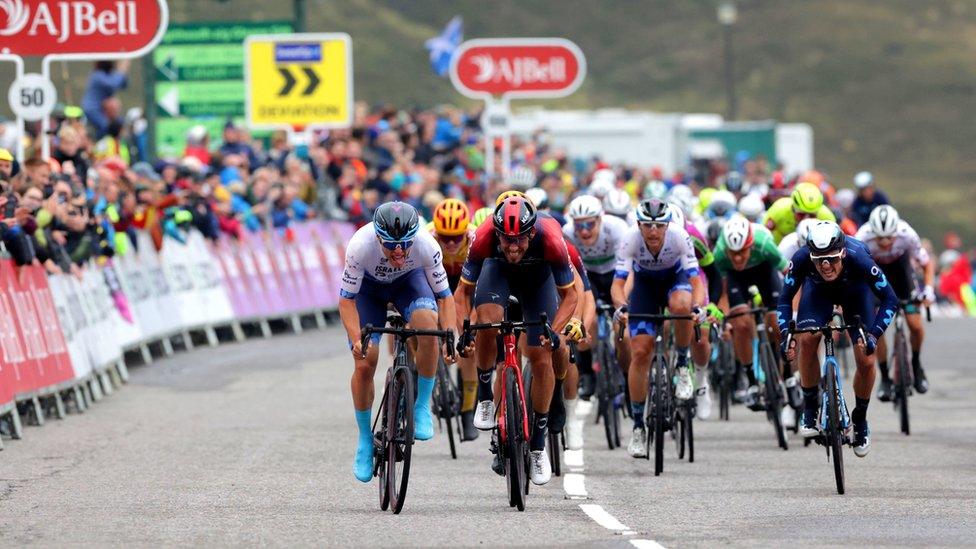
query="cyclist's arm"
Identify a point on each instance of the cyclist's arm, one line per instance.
(349, 285)
(882, 290)
(796, 273)
(462, 300)
(625, 262)
(567, 306)
(350, 318)
(714, 282)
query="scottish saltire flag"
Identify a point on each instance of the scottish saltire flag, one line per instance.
(442, 47)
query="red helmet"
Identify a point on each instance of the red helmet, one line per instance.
(514, 217)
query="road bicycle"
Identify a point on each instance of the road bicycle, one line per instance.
(393, 426)
(611, 386)
(903, 375)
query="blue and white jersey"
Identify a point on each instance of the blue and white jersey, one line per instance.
(677, 253)
(365, 259)
(601, 256)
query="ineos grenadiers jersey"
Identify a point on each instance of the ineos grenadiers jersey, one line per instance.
(677, 252)
(547, 250)
(858, 268)
(365, 259)
(601, 256)
(905, 241)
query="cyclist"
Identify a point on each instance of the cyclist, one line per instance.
(597, 237)
(896, 248)
(751, 207)
(835, 269)
(452, 231)
(661, 258)
(603, 181)
(617, 203)
(746, 256)
(805, 201)
(480, 215)
(701, 350)
(523, 254)
(797, 239)
(655, 189)
(390, 260)
(734, 184)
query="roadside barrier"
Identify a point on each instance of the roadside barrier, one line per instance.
(64, 339)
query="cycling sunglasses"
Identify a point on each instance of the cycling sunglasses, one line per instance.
(394, 244)
(832, 259)
(456, 239)
(584, 225)
(653, 224)
(511, 240)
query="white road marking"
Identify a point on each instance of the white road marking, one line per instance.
(646, 544)
(573, 458)
(574, 485)
(603, 518)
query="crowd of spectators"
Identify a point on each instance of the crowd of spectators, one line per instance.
(99, 184)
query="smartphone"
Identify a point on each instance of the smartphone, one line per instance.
(11, 206)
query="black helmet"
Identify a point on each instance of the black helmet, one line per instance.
(653, 210)
(825, 239)
(514, 216)
(396, 221)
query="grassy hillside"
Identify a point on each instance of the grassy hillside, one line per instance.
(887, 85)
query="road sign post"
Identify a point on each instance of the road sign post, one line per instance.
(498, 69)
(73, 30)
(298, 80)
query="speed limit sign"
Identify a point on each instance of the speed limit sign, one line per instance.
(32, 97)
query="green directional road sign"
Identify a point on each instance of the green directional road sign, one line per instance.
(198, 70)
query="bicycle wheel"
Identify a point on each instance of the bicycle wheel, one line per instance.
(691, 436)
(400, 437)
(552, 439)
(679, 432)
(380, 453)
(902, 390)
(514, 443)
(727, 372)
(659, 369)
(608, 406)
(775, 400)
(834, 436)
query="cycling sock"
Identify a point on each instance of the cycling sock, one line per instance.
(682, 355)
(484, 386)
(750, 375)
(557, 389)
(915, 363)
(469, 395)
(363, 420)
(810, 395)
(540, 428)
(860, 413)
(637, 411)
(425, 386)
(584, 362)
(883, 368)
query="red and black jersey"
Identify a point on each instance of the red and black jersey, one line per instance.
(547, 249)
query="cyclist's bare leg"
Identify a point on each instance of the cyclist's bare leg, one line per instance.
(428, 347)
(743, 330)
(882, 350)
(807, 360)
(543, 378)
(679, 303)
(642, 346)
(864, 375)
(916, 330)
(361, 383)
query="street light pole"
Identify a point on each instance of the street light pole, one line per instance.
(727, 16)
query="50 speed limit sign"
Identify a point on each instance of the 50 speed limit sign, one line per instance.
(32, 97)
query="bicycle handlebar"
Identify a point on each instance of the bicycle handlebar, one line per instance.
(750, 311)
(661, 318)
(446, 335)
(825, 330)
(506, 325)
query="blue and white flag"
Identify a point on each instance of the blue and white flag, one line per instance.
(442, 47)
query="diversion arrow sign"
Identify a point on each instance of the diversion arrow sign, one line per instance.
(298, 80)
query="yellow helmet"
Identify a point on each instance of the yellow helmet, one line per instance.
(451, 217)
(705, 197)
(5, 155)
(508, 194)
(481, 215)
(807, 198)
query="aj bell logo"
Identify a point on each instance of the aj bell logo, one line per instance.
(64, 20)
(519, 70)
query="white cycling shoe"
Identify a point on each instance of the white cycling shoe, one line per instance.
(484, 416)
(684, 389)
(638, 443)
(539, 469)
(787, 416)
(703, 402)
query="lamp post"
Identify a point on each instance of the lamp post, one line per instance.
(727, 16)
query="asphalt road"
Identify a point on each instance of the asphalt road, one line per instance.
(252, 444)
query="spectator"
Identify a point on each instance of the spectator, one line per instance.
(233, 145)
(70, 150)
(868, 198)
(100, 104)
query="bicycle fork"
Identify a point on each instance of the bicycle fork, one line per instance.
(845, 418)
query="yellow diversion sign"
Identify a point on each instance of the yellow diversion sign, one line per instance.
(298, 80)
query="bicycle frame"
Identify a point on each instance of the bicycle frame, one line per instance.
(509, 344)
(830, 362)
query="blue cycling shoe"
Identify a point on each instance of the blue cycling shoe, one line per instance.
(363, 466)
(423, 422)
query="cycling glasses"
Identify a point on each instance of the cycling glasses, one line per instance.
(394, 244)
(456, 239)
(513, 240)
(832, 259)
(653, 224)
(584, 225)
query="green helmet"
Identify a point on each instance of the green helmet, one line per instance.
(480, 216)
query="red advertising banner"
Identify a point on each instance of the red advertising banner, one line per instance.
(518, 67)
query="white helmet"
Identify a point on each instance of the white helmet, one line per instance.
(585, 206)
(863, 179)
(845, 198)
(884, 221)
(737, 233)
(677, 215)
(617, 202)
(684, 197)
(722, 204)
(603, 181)
(538, 197)
(751, 206)
(521, 178)
(803, 230)
(655, 189)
